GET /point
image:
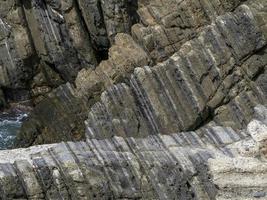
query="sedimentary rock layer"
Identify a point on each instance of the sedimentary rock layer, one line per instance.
(182, 92)
(165, 113)
(210, 163)
(216, 77)
(45, 43)
(41, 40)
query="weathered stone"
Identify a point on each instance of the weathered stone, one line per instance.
(17, 52)
(64, 35)
(205, 164)
(202, 79)
(195, 66)
(55, 121)
(210, 77)
(124, 56)
(2, 100)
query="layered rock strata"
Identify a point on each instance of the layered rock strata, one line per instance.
(166, 115)
(45, 43)
(217, 77)
(210, 163)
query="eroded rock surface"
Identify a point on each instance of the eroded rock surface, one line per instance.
(217, 75)
(150, 99)
(59, 117)
(210, 163)
(46, 43)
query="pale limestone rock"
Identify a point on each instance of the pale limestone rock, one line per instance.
(258, 131)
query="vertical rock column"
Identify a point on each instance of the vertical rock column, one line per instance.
(17, 54)
(58, 41)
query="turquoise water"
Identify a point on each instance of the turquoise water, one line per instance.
(10, 124)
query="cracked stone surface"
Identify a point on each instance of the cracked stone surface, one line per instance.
(142, 99)
(212, 162)
(215, 77)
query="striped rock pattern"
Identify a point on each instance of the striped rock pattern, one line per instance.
(216, 77)
(164, 27)
(45, 43)
(210, 163)
(168, 115)
(162, 31)
(207, 77)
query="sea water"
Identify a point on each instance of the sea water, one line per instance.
(10, 124)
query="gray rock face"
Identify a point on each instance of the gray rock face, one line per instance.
(210, 163)
(166, 115)
(165, 26)
(207, 77)
(17, 53)
(60, 36)
(215, 76)
(59, 117)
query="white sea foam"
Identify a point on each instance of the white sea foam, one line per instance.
(9, 127)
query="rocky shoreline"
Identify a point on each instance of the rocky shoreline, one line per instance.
(215, 76)
(11, 120)
(142, 99)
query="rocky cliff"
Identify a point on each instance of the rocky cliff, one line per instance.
(46, 43)
(152, 99)
(177, 70)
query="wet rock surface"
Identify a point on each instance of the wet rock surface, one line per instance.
(59, 117)
(10, 123)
